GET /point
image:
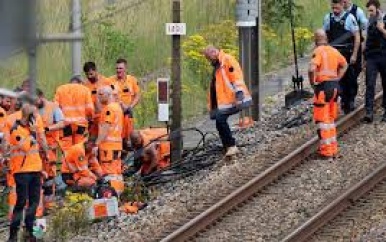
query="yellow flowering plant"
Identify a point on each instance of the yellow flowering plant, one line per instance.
(71, 217)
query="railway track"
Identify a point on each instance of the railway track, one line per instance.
(248, 193)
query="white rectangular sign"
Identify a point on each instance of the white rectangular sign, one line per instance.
(175, 28)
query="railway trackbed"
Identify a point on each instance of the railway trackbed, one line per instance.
(278, 201)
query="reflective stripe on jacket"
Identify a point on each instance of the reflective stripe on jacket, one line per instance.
(24, 150)
(229, 81)
(76, 103)
(112, 114)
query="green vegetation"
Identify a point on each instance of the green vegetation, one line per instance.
(135, 30)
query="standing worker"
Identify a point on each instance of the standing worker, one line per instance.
(53, 121)
(228, 94)
(109, 142)
(375, 57)
(93, 82)
(343, 34)
(75, 101)
(129, 93)
(327, 67)
(26, 139)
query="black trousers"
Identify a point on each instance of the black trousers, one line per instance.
(349, 82)
(28, 186)
(224, 131)
(374, 64)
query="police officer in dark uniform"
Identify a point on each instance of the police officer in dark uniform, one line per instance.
(343, 33)
(375, 57)
(362, 20)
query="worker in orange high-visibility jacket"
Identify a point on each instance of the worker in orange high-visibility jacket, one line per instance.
(9, 122)
(326, 69)
(129, 93)
(53, 121)
(154, 147)
(109, 141)
(74, 99)
(228, 94)
(78, 163)
(26, 138)
(93, 82)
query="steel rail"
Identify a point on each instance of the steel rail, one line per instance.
(258, 183)
(337, 206)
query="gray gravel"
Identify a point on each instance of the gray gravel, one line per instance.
(276, 211)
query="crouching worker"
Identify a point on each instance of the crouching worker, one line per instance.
(81, 176)
(152, 148)
(108, 145)
(326, 69)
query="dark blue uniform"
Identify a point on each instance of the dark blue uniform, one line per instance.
(375, 56)
(340, 32)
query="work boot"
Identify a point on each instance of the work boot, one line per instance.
(13, 235)
(368, 118)
(233, 150)
(29, 237)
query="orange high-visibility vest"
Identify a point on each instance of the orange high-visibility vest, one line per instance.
(76, 103)
(160, 139)
(48, 120)
(150, 134)
(327, 61)
(24, 150)
(128, 88)
(77, 162)
(112, 114)
(93, 87)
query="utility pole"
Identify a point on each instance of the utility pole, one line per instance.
(246, 18)
(76, 25)
(176, 86)
(32, 45)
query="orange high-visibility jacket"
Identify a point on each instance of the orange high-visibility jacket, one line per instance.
(150, 134)
(159, 135)
(128, 88)
(48, 120)
(76, 103)
(77, 162)
(327, 61)
(11, 119)
(229, 81)
(112, 114)
(93, 87)
(24, 150)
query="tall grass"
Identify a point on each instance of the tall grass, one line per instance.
(144, 25)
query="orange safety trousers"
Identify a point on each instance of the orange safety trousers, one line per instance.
(325, 114)
(49, 166)
(111, 164)
(128, 126)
